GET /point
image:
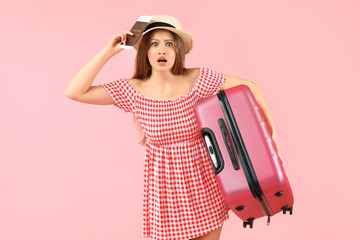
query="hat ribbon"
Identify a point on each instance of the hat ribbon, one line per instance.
(158, 24)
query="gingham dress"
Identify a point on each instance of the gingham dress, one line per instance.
(181, 198)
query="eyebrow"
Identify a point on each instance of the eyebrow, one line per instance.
(164, 40)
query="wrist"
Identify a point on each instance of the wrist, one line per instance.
(107, 53)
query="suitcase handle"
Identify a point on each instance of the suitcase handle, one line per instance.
(228, 144)
(213, 150)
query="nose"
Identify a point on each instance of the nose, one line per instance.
(161, 49)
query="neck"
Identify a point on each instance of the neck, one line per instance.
(162, 77)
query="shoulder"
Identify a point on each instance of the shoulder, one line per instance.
(192, 73)
(134, 81)
(232, 81)
(137, 84)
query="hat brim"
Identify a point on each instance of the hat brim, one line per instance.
(186, 38)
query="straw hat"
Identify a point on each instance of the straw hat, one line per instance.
(172, 24)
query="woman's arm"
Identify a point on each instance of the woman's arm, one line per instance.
(80, 89)
(234, 81)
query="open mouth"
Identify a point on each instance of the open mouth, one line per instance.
(162, 60)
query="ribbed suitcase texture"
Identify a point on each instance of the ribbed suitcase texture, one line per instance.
(248, 169)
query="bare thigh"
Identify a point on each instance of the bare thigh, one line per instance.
(214, 235)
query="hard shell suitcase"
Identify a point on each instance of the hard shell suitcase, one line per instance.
(247, 166)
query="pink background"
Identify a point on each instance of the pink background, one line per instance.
(74, 171)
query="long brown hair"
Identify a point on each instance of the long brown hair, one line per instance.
(143, 68)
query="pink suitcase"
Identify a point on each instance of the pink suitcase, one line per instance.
(248, 169)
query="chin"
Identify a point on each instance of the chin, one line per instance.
(162, 68)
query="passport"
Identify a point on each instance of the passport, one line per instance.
(137, 29)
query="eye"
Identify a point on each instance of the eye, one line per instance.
(154, 44)
(169, 44)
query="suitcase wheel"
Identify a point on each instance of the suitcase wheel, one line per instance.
(287, 209)
(250, 222)
(279, 194)
(240, 208)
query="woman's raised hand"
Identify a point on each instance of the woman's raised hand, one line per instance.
(113, 45)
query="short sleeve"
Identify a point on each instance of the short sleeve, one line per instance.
(122, 93)
(210, 82)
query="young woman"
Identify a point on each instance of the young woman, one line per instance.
(181, 197)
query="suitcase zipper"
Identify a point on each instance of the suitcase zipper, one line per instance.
(245, 161)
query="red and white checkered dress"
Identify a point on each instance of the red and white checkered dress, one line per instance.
(181, 198)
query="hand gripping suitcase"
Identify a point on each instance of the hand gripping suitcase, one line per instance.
(247, 167)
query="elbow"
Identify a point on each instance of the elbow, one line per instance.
(70, 95)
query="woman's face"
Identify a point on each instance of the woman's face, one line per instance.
(161, 53)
